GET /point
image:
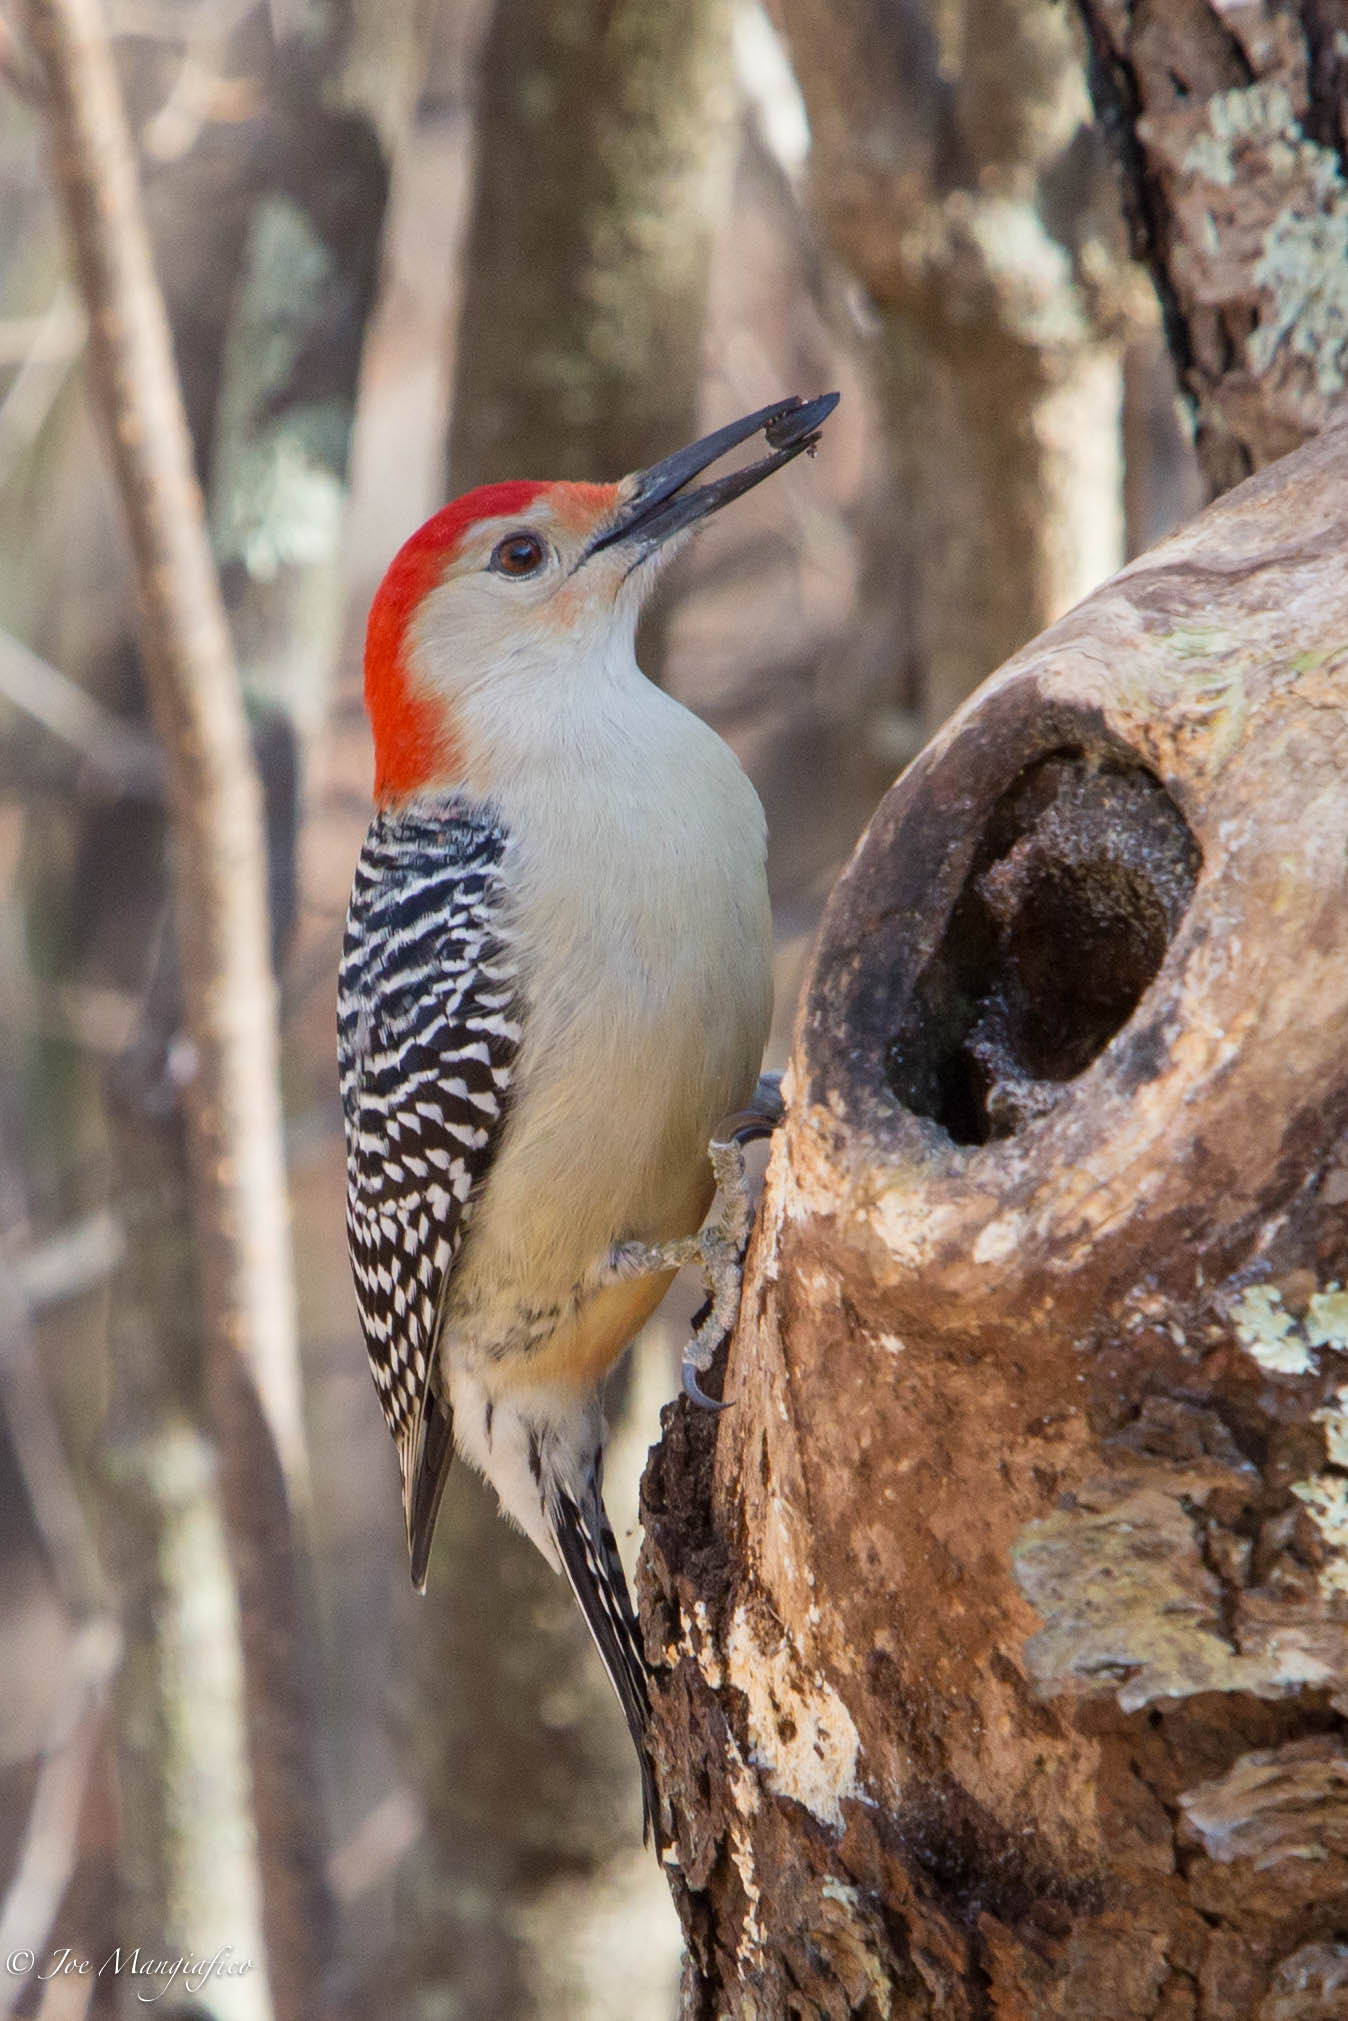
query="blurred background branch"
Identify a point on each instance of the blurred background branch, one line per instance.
(215, 1704)
(119, 757)
(74, 1724)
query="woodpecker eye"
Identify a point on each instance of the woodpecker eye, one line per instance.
(518, 554)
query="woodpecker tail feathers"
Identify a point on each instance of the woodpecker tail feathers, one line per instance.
(589, 1555)
(425, 1453)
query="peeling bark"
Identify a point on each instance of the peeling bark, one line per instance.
(1230, 125)
(1001, 1628)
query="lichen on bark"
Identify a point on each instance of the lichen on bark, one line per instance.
(1229, 126)
(1035, 1475)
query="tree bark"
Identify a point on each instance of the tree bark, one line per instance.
(604, 153)
(1230, 125)
(1001, 1627)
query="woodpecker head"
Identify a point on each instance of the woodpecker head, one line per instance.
(517, 587)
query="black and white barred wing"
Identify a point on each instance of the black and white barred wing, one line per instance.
(427, 1038)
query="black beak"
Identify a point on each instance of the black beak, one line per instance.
(657, 505)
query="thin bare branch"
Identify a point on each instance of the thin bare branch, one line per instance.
(118, 753)
(52, 1496)
(72, 1261)
(51, 345)
(56, 332)
(240, 1210)
(47, 1854)
(17, 69)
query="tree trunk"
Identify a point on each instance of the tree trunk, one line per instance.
(1001, 1627)
(1230, 125)
(604, 149)
(579, 345)
(953, 170)
(604, 152)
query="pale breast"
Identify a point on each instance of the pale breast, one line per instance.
(640, 913)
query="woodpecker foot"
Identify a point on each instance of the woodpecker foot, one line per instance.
(725, 1239)
(715, 1250)
(718, 1250)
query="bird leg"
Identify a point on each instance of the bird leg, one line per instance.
(718, 1249)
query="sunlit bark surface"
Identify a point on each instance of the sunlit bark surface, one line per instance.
(1001, 1627)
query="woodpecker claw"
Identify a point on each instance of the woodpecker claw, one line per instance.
(695, 1393)
(759, 1117)
(719, 1250)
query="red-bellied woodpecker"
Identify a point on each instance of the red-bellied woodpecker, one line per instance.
(555, 983)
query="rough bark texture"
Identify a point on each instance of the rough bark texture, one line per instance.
(1001, 1627)
(1230, 124)
(953, 170)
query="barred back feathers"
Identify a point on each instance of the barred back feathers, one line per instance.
(427, 1036)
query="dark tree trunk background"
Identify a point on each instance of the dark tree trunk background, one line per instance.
(605, 142)
(1001, 1628)
(1230, 125)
